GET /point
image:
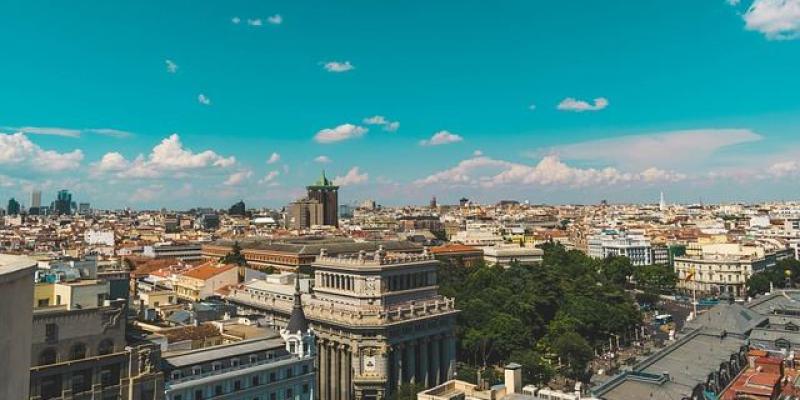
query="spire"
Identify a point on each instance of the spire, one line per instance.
(297, 321)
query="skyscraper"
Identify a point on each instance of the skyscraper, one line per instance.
(662, 205)
(13, 207)
(36, 199)
(327, 194)
(63, 203)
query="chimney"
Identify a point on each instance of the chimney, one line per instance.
(513, 378)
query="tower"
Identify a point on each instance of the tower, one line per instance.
(327, 194)
(298, 335)
(661, 204)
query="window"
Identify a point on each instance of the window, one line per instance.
(106, 346)
(272, 377)
(218, 390)
(58, 299)
(237, 385)
(234, 362)
(77, 352)
(289, 372)
(47, 356)
(198, 395)
(255, 381)
(177, 397)
(51, 333)
(289, 393)
(43, 302)
(176, 374)
(253, 358)
(81, 381)
(305, 369)
(51, 387)
(272, 396)
(216, 366)
(197, 370)
(305, 388)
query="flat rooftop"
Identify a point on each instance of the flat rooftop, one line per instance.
(11, 263)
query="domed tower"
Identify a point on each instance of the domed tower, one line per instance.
(298, 335)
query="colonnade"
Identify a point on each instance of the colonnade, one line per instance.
(334, 371)
(428, 361)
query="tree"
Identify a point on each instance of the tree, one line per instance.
(407, 391)
(235, 256)
(535, 369)
(573, 350)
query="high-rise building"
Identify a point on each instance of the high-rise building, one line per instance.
(237, 209)
(13, 207)
(84, 208)
(662, 205)
(36, 202)
(305, 213)
(327, 194)
(63, 203)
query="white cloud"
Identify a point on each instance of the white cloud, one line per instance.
(380, 120)
(16, 150)
(338, 66)
(203, 99)
(571, 104)
(339, 133)
(784, 168)
(353, 177)
(532, 107)
(171, 66)
(236, 20)
(273, 158)
(169, 156)
(487, 172)
(440, 138)
(276, 19)
(65, 132)
(270, 177)
(776, 19)
(322, 159)
(255, 22)
(237, 178)
(477, 153)
(673, 149)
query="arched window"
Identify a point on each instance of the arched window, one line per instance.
(106, 346)
(77, 352)
(48, 356)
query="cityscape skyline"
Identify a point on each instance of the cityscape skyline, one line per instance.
(144, 117)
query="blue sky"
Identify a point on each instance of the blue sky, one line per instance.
(152, 103)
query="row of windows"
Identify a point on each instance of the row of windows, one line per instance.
(76, 352)
(238, 385)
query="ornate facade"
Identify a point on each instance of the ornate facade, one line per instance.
(378, 320)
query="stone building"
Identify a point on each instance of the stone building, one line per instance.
(378, 319)
(16, 286)
(82, 354)
(327, 194)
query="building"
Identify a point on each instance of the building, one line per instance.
(378, 319)
(294, 255)
(16, 285)
(82, 354)
(458, 254)
(238, 209)
(180, 251)
(505, 255)
(327, 194)
(262, 369)
(63, 203)
(712, 269)
(201, 282)
(305, 213)
(13, 207)
(84, 208)
(207, 222)
(36, 199)
(613, 243)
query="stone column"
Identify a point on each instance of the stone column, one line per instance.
(411, 349)
(424, 368)
(451, 353)
(317, 369)
(344, 371)
(399, 350)
(436, 358)
(323, 371)
(335, 380)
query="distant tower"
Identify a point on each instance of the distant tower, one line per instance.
(662, 205)
(434, 205)
(298, 335)
(327, 194)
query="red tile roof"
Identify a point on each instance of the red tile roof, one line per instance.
(207, 271)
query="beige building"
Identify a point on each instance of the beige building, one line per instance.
(201, 282)
(305, 213)
(16, 286)
(504, 255)
(378, 318)
(710, 269)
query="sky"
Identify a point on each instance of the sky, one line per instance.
(151, 104)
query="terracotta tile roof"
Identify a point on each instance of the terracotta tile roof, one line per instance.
(454, 248)
(191, 332)
(207, 271)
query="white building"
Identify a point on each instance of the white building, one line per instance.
(612, 243)
(718, 268)
(96, 237)
(506, 254)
